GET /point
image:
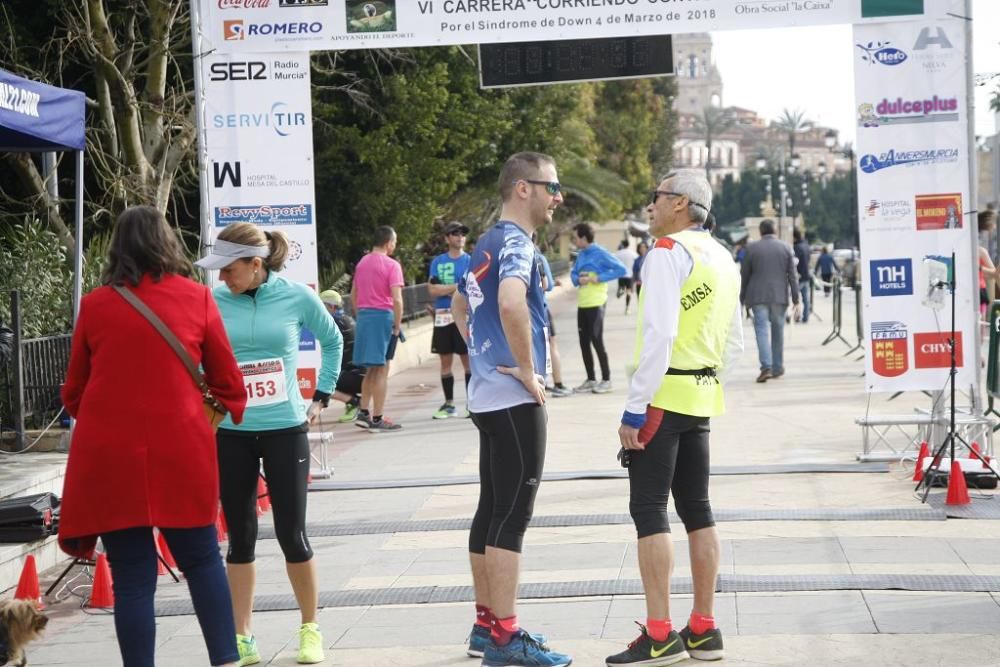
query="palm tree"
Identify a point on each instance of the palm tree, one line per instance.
(792, 123)
(712, 123)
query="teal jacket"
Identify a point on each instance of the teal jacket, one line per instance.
(268, 326)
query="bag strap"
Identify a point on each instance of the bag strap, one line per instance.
(167, 334)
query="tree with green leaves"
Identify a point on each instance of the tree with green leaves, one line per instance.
(710, 124)
(792, 123)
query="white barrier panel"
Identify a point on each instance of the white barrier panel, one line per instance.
(258, 133)
(913, 198)
(269, 25)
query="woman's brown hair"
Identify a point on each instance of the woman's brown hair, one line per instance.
(247, 233)
(142, 242)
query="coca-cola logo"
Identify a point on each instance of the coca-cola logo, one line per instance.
(244, 4)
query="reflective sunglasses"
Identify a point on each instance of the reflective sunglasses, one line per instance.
(552, 187)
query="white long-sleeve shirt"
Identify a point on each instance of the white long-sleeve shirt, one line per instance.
(664, 271)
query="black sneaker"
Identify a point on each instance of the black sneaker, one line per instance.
(707, 646)
(647, 651)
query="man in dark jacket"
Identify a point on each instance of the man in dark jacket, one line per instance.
(348, 388)
(769, 276)
(802, 254)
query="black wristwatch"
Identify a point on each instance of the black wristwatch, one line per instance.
(321, 397)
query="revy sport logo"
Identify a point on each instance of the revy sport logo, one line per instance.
(870, 163)
(265, 214)
(939, 211)
(881, 53)
(892, 277)
(889, 349)
(933, 350)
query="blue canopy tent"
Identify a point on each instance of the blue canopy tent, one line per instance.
(35, 117)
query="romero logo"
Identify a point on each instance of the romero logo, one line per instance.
(939, 211)
(233, 30)
(933, 350)
(889, 349)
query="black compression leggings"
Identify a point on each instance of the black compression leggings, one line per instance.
(285, 454)
(511, 457)
(590, 324)
(675, 459)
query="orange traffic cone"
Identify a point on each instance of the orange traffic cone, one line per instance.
(263, 496)
(101, 595)
(918, 472)
(958, 492)
(221, 529)
(161, 544)
(27, 585)
(986, 461)
(975, 448)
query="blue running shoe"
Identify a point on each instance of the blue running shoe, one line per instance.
(523, 651)
(480, 637)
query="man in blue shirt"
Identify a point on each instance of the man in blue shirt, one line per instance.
(500, 307)
(443, 276)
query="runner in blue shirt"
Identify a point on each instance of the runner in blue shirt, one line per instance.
(445, 272)
(500, 307)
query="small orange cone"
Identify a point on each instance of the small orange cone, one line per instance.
(958, 492)
(986, 461)
(27, 585)
(975, 448)
(918, 472)
(221, 529)
(101, 595)
(263, 496)
(161, 544)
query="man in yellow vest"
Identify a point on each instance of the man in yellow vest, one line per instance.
(689, 332)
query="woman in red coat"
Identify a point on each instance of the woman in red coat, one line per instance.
(143, 453)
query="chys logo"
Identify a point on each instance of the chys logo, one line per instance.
(939, 211)
(233, 30)
(933, 350)
(881, 53)
(889, 349)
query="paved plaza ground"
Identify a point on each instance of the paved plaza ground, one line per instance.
(816, 592)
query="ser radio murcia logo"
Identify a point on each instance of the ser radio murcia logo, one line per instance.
(890, 357)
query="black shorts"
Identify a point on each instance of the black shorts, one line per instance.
(624, 283)
(551, 322)
(350, 379)
(447, 340)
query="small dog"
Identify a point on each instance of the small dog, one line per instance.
(20, 623)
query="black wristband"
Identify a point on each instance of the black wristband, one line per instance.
(321, 397)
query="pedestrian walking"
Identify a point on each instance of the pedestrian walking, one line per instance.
(641, 251)
(593, 269)
(265, 314)
(143, 453)
(549, 283)
(769, 277)
(446, 342)
(500, 305)
(348, 389)
(826, 267)
(689, 334)
(377, 297)
(627, 257)
(802, 264)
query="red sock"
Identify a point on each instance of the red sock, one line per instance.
(658, 629)
(701, 624)
(503, 629)
(483, 616)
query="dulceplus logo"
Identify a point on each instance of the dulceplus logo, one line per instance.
(265, 214)
(870, 163)
(892, 277)
(900, 111)
(279, 117)
(882, 53)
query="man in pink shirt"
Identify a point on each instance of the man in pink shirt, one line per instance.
(377, 296)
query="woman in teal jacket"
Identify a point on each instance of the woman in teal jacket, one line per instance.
(264, 315)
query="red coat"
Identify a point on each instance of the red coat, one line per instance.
(142, 453)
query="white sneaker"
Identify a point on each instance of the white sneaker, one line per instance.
(602, 387)
(586, 388)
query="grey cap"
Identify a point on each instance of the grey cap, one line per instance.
(225, 253)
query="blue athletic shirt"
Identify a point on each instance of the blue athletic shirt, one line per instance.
(449, 270)
(504, 251)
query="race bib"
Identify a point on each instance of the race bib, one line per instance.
(264, 381)
(443, 317)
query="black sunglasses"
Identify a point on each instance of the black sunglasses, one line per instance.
(656, 194)
(552, 187)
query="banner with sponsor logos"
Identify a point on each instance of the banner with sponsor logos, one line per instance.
(314, 25)
(913, 196)
(259, 147)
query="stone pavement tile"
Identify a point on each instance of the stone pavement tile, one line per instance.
(573, 556)
(948, 569)
(788, 550)
(833, 612)
(898, 550)
(980, 551)
(461, 577)
(907, 612)
(794, 569)
(985, 570)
